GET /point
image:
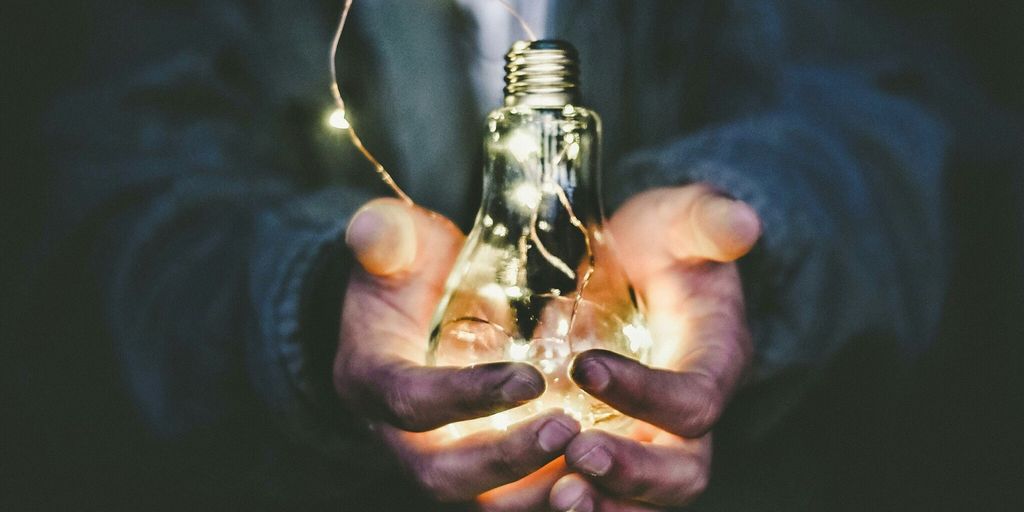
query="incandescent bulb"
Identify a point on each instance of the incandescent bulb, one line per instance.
(538, 279)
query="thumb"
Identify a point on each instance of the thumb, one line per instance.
(406, 254)
(690, 223)
(382, 235)
(720, 228)
(400, 245)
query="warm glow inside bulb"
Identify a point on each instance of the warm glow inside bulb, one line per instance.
(563, 327)
(526, 195)
(522, 145)
(514, 292)
(519, 351)
(337, 119)
(638, 336)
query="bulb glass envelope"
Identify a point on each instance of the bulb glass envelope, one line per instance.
(538, 279)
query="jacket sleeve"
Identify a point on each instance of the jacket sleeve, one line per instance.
(821, 134)
(217, 252)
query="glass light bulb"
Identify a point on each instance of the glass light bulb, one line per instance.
(538, 279)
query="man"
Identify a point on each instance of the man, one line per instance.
(219, 207)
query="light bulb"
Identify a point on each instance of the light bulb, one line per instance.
(538, 279)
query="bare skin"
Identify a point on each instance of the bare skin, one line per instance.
(678, 245)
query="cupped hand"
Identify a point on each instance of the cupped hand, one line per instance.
(405, 254)
(678, 246)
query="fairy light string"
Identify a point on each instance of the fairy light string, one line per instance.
(340, 102)
(522, 23)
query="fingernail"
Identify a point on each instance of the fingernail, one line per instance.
(363, 225)
(521, 387)
(554, 435)
(595, 462)
(591, 375)
(571, 496)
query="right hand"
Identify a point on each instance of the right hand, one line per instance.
(406, 254)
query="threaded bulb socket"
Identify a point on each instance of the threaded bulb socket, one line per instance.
(542, 74)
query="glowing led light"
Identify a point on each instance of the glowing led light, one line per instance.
(488, 221)
(514, 292)
(500, 230)
(639, 337)
(337, 119)
(563, 327)
(501, 421)
(509, 272)
(572, 151)
(572, 146)
(519, 351)
(522, 145)
(543, 225)
(492, 291)
(527, 195)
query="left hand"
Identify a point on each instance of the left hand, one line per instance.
(405, 253)
(678, 246)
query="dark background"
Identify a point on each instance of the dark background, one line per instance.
(945, 434)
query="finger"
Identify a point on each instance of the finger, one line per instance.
(419, 398)
(692, 223)
(574, 493)
(686, 403)
(669, 473)
(463, 469)
(526, 494)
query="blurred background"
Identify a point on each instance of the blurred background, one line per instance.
(945, 434)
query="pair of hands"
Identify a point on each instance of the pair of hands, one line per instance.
(678, 246)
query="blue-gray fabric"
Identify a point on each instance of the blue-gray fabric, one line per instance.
(200, 164)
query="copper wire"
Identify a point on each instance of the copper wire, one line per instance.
(385, 176)
(352, 135)
(575, 221)
(522, 23)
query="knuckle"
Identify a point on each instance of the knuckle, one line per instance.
(700, 482)
(345, 383)
(470, 386)
(342, 385)
(508, 462)
(694, 482)
(697, 485)
(632, 483)
(401, 409)
(704, 409)
(433, 481)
